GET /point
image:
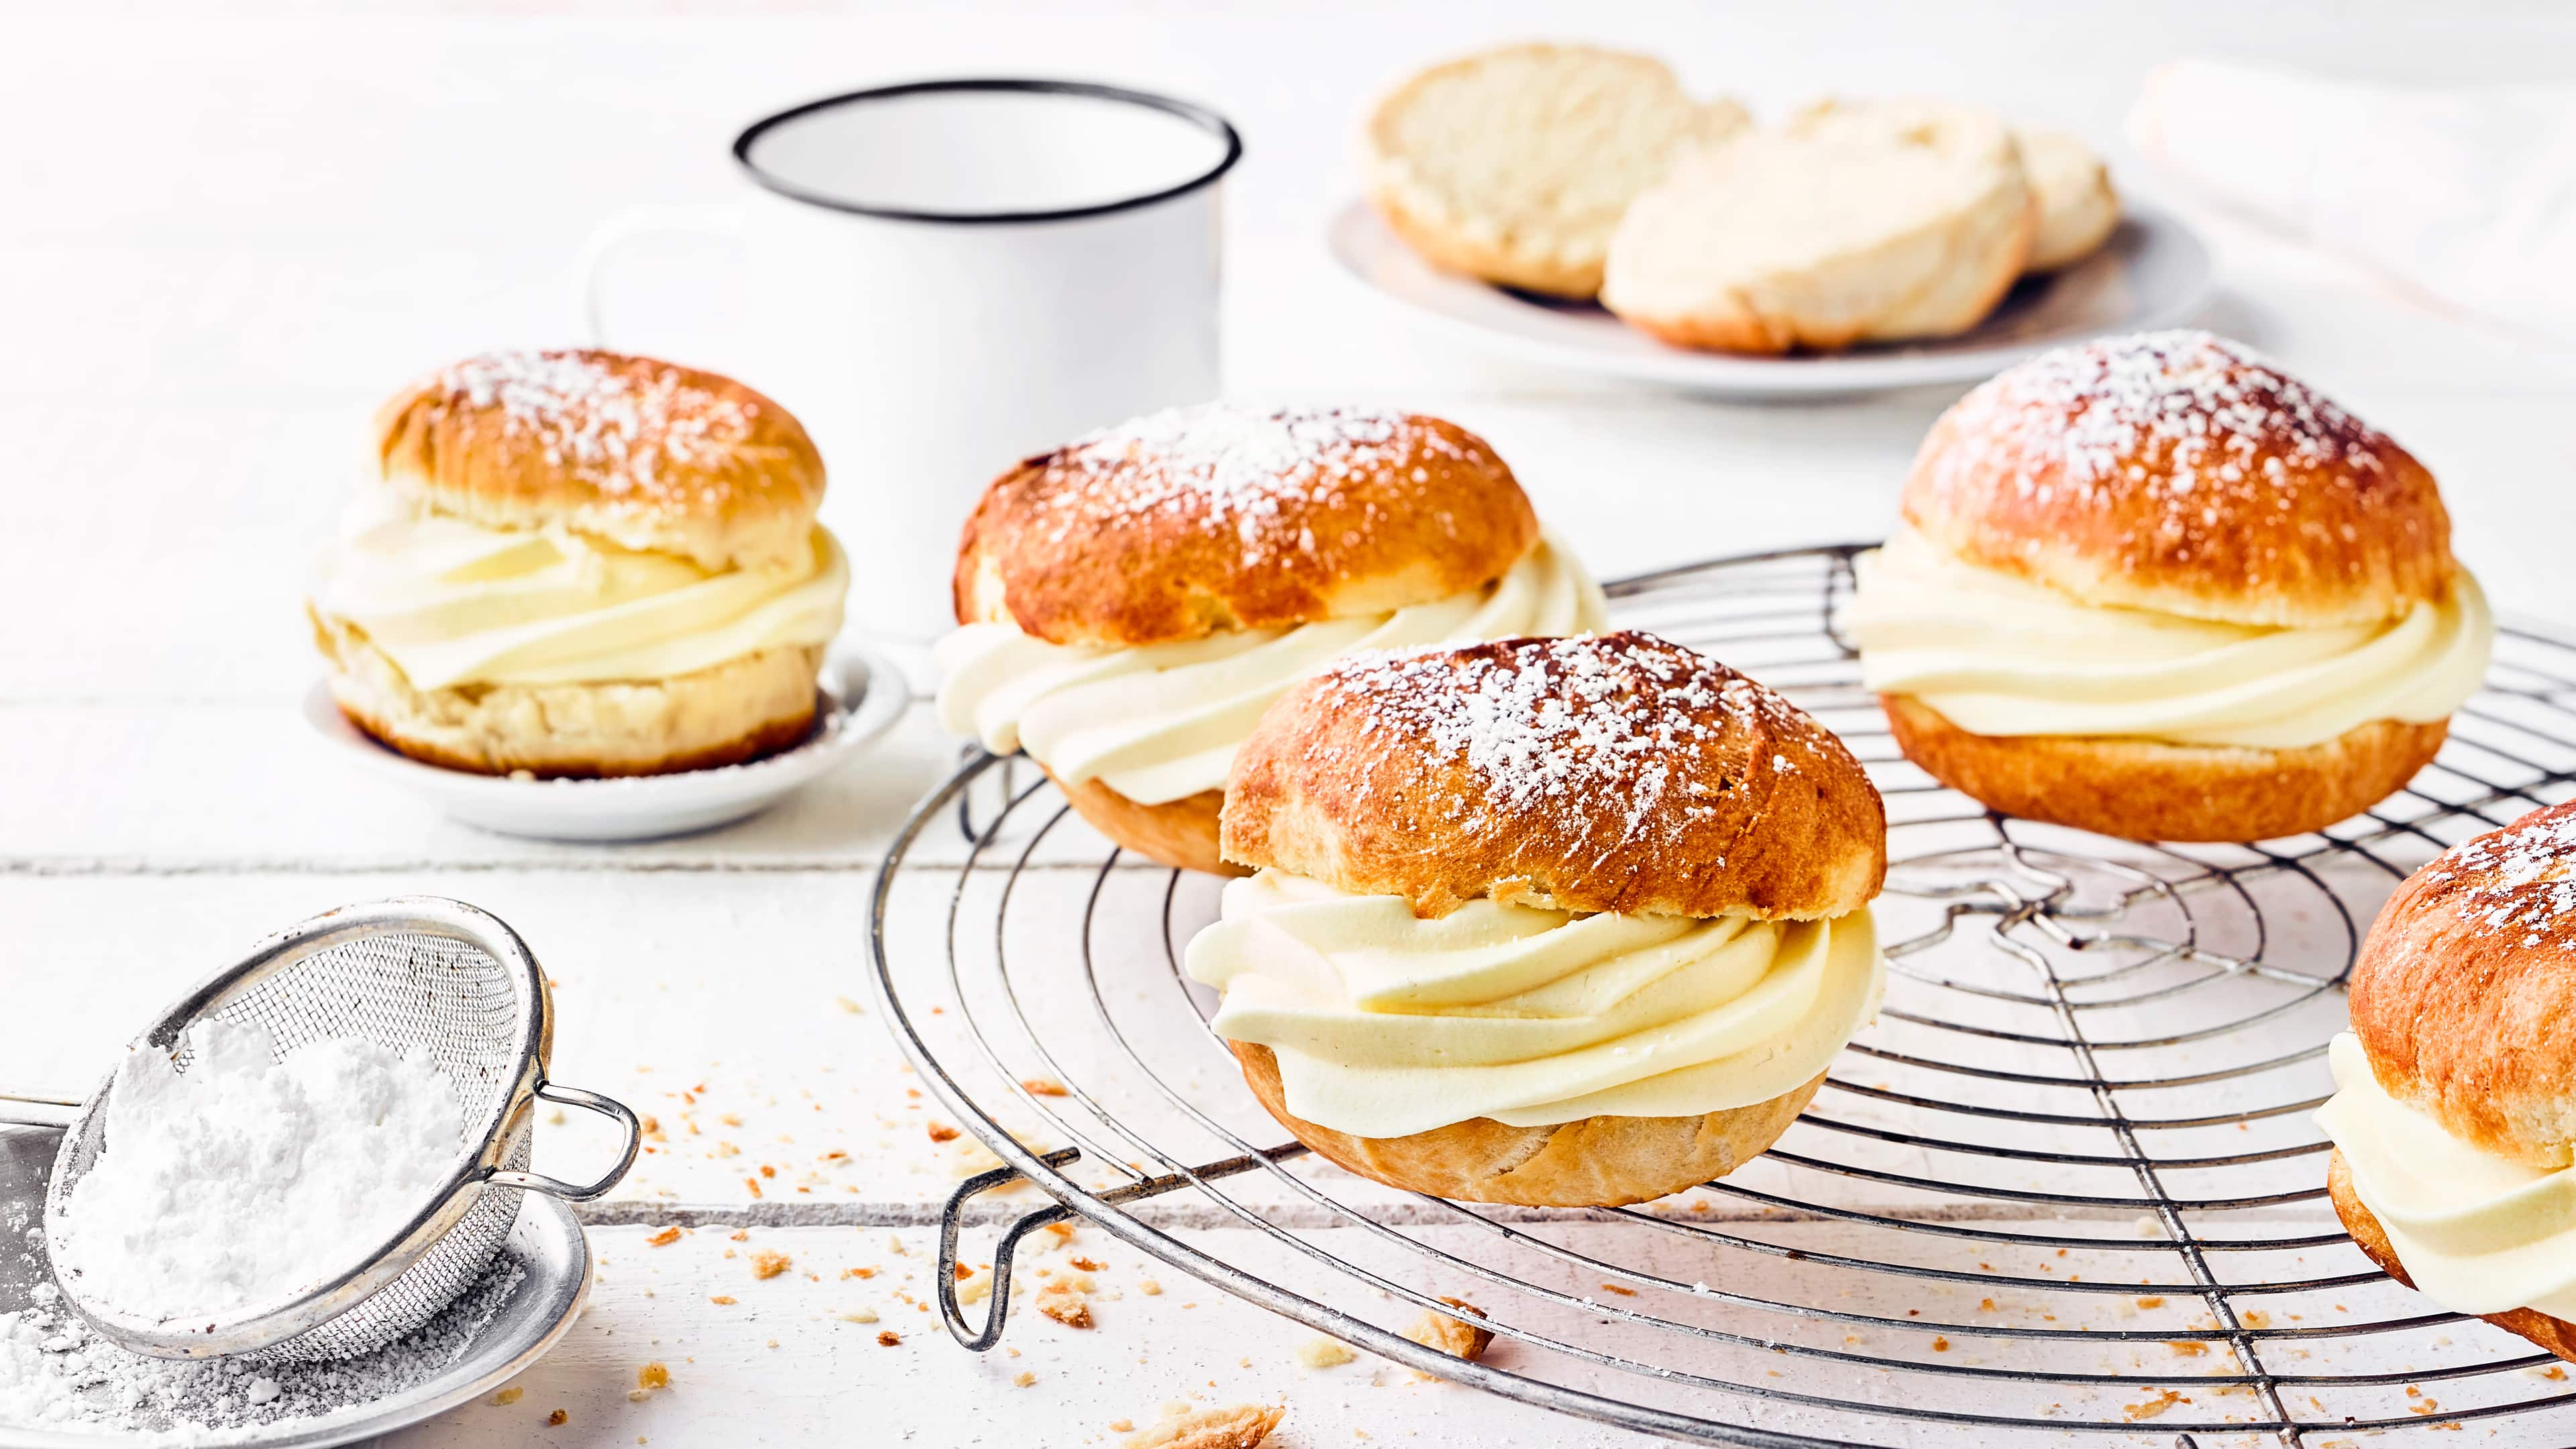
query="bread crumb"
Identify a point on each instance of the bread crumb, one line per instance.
(858, 1272)
(941, 1132)
(1122, 1426)
(1243, 1426)
(2151, 1408)
(1452, 1335)
(1615, 1288)
(769, 1263)
(889, 1338)
(2188, 1347)
(1023, 1379)
(2255, 1318)
(559, 1417)
(1043, 1086)
(1940, 1344)
(637, 1396)
(2151, 1301)
(1149, 1287)
(846, 1004)
(1323, 1353)
(1066, 1309)
(664, 1238)
(975, 1289)
(1085, 1264)
(722, 1300)
(861, 1314)
(509, 1396)
(654, 1375)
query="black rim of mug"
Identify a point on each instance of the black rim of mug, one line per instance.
(1199, 116)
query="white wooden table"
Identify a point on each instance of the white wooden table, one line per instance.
(221, 240)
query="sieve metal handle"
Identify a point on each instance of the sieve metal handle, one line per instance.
(17, 1110)
(608, 1107)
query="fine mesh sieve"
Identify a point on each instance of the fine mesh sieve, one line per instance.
(415, 973)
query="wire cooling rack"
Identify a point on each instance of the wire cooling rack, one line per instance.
(2065, 1188)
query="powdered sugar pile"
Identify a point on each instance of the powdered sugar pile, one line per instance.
(2529, 878)
(610, 425)
(1225, 468)
(246, 1179)
(1568, 727)
(56, 1374)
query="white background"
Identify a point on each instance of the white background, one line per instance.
(224, 235)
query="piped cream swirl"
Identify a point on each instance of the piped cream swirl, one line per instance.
(2478, 1233)
(1161, 722)
(1386, 1025)
(455, 603)
(1999, 656)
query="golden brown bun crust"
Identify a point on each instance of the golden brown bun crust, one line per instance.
(1615, 772)
(1201, 520)
(1589, 1162)
(2181, 472)
(645, 454)
(1179, 833)
(2463, 990)
(726, 714)
(2147, 790)
(2554, 1334)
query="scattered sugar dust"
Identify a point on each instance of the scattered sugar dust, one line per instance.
(55, 1374)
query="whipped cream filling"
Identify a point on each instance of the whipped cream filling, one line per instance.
(1996, 655)
(1161, 722)
(2478, 1233)
(1386, 1025)
(454, 603)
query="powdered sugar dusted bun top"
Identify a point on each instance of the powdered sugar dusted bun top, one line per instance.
(1207, 519)
(2182, 472)
(1613, 772)
(2463, 991)
(645, 454)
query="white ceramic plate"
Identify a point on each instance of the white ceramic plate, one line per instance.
(2152, 273)
(863, 694)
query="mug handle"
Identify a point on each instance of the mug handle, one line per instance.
(635, 224)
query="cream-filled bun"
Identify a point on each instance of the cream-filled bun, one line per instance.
(2455, 1101)
(1571, 922)
(1130, 603)
(2155, 587)
(576, 563)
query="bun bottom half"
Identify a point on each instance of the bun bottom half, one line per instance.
(1179, 833)
(1590, 1162)
(2554, 1334)
(727, 714)
(2146, 790)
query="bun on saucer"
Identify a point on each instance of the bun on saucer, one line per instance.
(2455, 1106)
(1131, 602)
(1570, 922)
(2155, 587)
(576, 563)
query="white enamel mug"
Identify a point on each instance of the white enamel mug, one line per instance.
(945, 277)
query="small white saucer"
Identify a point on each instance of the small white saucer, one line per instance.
(862, 693)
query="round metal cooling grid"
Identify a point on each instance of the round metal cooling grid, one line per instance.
(2283, 917)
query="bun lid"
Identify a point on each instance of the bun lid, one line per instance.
(2463, 991)
(2185, 473)
(1614, 772)
(1221, 517)
(644, 454)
